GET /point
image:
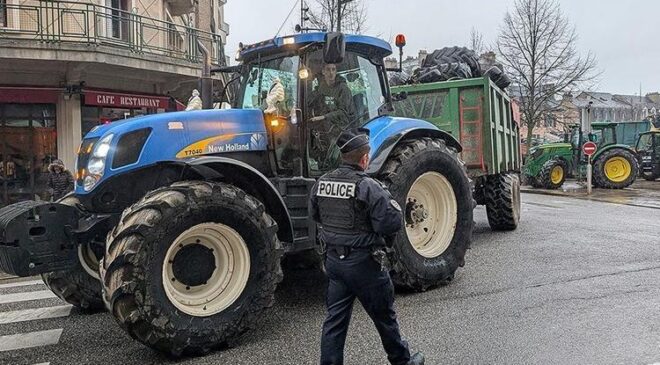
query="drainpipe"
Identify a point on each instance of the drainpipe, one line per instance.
(206, 82)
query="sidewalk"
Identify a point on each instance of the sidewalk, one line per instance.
(641, 194)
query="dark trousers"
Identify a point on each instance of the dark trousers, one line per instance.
(359, 276)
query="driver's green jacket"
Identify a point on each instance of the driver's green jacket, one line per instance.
(335, 102)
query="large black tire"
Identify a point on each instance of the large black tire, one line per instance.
(80, 285)
(453, 55)
(134, 274)
(428, 158)
(399, 78)
(503, 201)
(545, 175)
(600, 178)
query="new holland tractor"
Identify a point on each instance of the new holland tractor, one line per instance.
(179, 221)
(614, 163)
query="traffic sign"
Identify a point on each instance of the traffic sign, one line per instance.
(589, 148)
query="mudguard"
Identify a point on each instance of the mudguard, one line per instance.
(610, 147)
(387, 132)
(262, 188)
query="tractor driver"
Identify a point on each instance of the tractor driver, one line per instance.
(332, 110)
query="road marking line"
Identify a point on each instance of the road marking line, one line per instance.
(21, 283)
(30, 339)
(43, 363)
(24, 297)
(34, 314)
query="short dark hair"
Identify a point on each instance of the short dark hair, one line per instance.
(353, 157)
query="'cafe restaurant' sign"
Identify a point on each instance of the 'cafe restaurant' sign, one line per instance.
(126, 101)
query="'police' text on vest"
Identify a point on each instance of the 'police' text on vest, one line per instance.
(336, 189)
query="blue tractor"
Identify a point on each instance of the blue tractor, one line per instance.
(179, 221)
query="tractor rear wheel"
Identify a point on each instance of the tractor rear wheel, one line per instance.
(552, 174)
(615, 169)
(430, 181)
(191, 266)
(503, 201)
(80, 285)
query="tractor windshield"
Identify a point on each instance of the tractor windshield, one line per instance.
(271, 85)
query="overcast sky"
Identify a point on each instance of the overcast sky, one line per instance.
(623, 35)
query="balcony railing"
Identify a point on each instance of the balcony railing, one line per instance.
(78, 22)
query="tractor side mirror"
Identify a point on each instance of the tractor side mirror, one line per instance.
(335, 48)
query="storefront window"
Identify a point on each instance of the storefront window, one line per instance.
(28, 144)
(96, 115)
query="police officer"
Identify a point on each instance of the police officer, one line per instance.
(355, 213)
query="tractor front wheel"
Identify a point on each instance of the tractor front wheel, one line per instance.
(615, 169)
(430, 181)
(553, 174)
(191, 267)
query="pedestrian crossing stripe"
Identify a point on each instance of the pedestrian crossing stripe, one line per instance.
(26, 296)
(21, 283)
(35, 314)
(30, 339)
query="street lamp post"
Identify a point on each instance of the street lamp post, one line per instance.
(339, 4)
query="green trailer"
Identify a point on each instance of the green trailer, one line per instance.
(484, 119)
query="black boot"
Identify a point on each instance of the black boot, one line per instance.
(416, 359)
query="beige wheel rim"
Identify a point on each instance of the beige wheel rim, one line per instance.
(88, 261)
(431, 214)
(227, 278)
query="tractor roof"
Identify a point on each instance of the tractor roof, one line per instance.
(362, 43)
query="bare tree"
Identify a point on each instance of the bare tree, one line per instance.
(476, 41)
(323, 14)
(537, 45)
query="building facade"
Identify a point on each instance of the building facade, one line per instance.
(605, 107)
(67, 66)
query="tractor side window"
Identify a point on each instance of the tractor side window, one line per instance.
(338, 97)
(645, 143)
(272, 86)
(365, 86)
(608, 137)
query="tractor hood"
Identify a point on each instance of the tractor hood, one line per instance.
(133, 143)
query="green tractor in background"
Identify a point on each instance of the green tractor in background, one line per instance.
(615, 164)
(648, 151)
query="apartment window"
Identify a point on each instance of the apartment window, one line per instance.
(174, 38)
(118, 19)
(3, 13)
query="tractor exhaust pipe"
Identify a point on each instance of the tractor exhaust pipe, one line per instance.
(206, 82)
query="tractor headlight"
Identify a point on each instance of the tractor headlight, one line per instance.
(96, 165)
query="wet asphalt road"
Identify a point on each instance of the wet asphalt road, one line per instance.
(577, 283)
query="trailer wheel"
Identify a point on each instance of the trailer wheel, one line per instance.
(503, 201)
(615, 169)
(191, 266)
(79, 286)
(552, 174)
(430, 181)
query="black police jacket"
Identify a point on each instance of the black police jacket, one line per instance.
(375, 213)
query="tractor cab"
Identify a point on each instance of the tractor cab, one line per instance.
(648, 152)
(310, 87)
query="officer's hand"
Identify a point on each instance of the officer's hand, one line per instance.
(318, 119)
